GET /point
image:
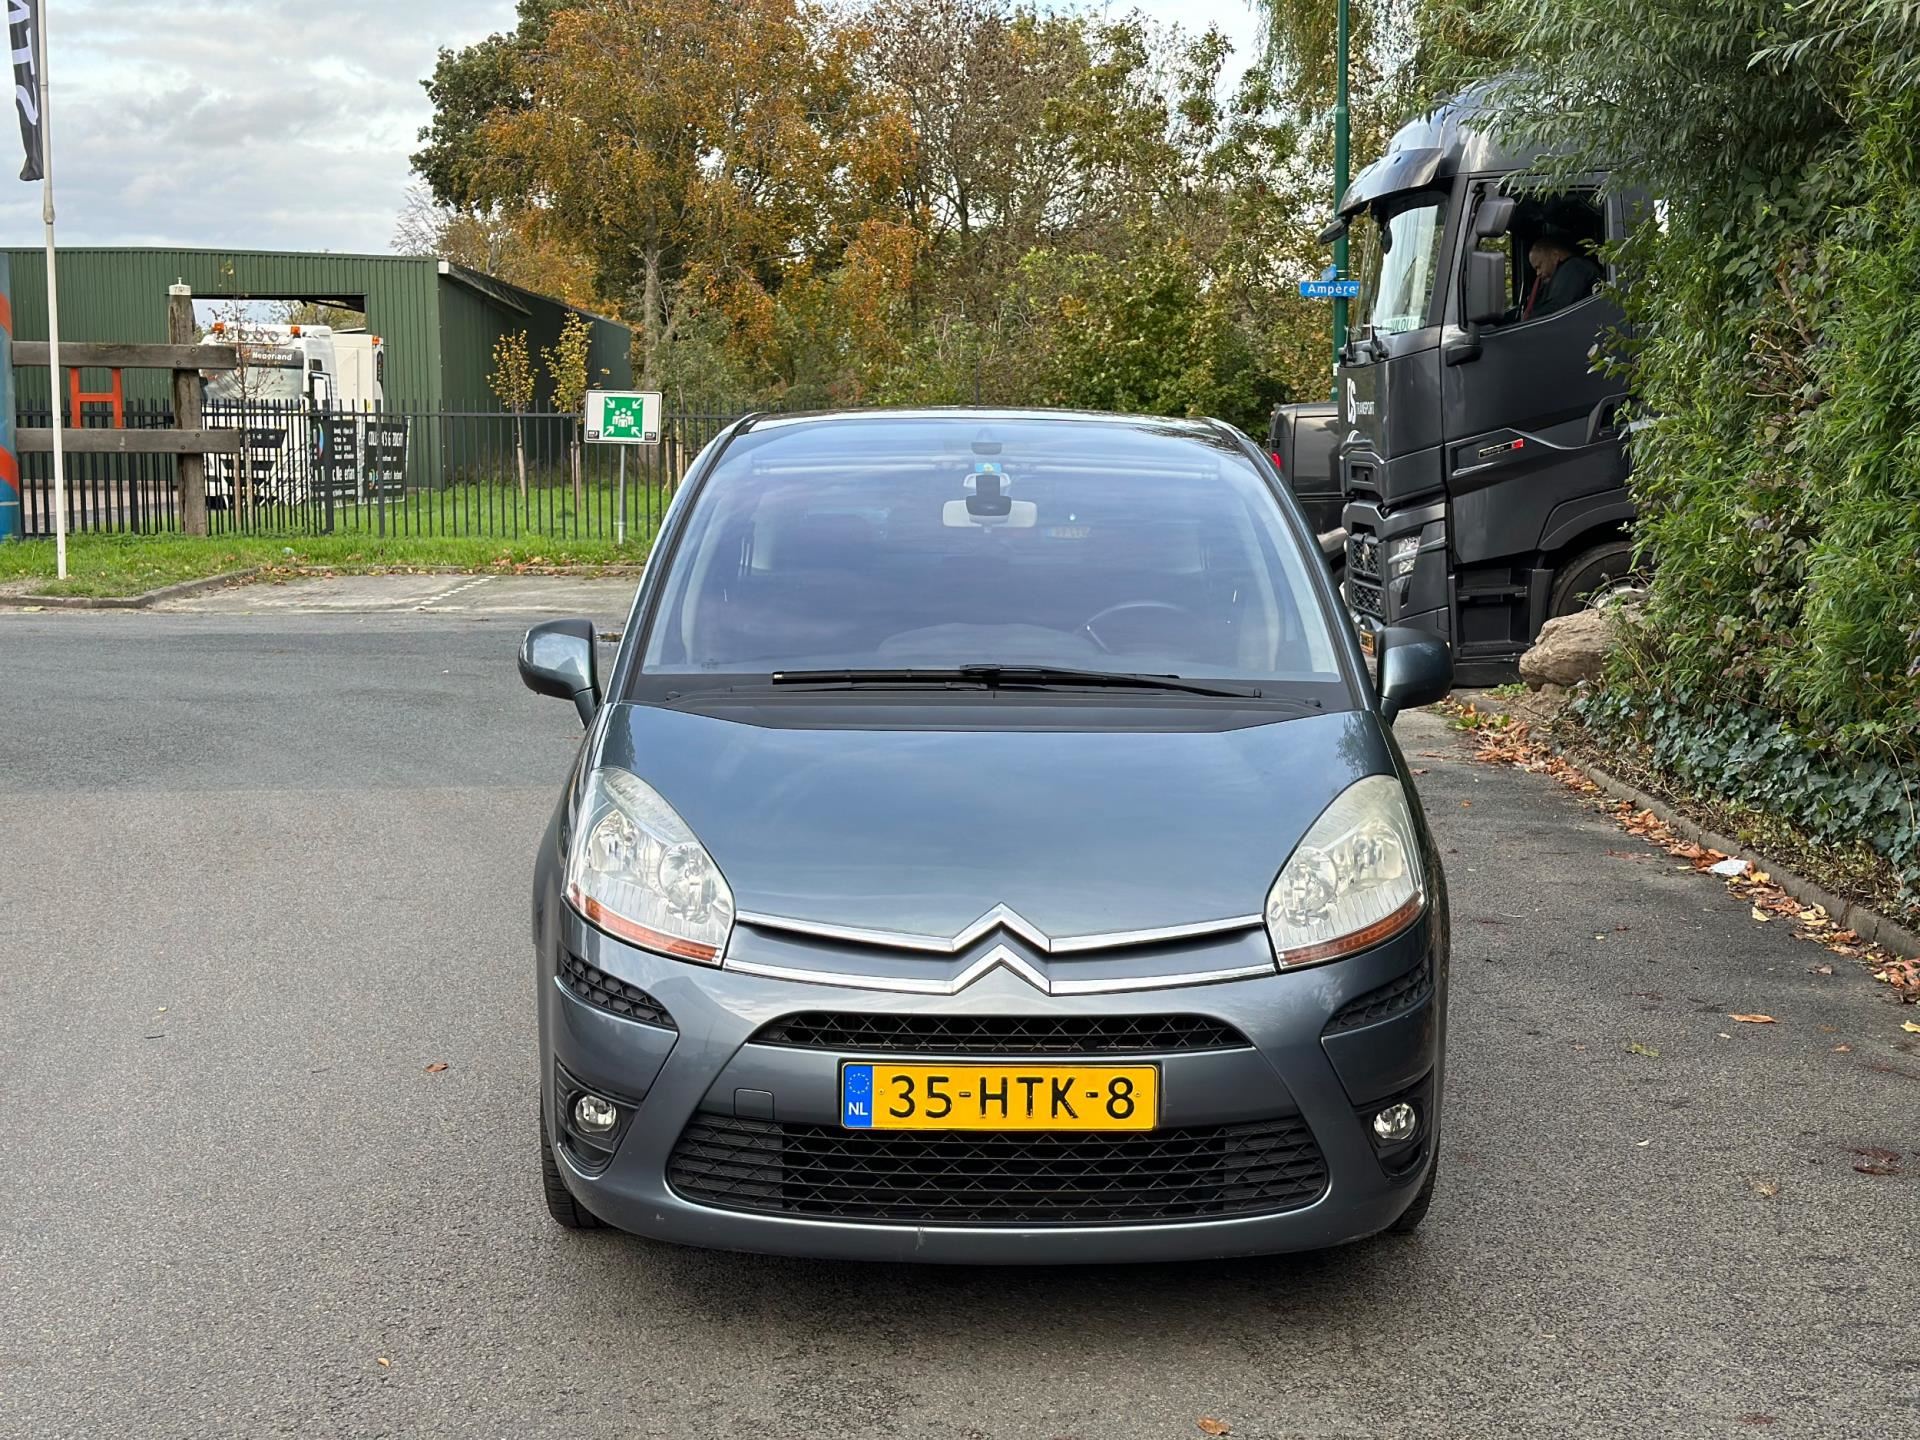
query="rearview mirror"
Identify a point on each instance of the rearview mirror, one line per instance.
(1485, 297)
(557, 659)
(1416, 668)
(1493, 217)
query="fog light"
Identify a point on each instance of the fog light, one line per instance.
(594, 1116)
(1396, 1122)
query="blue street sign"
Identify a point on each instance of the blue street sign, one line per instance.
(1329, 289)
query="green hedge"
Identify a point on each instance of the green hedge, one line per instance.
(1773, 301)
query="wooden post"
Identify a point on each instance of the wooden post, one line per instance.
(186, 413)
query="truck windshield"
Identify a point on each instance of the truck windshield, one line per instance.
(1399, 259)
(261, 382)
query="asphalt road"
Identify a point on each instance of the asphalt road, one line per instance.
(257, 873)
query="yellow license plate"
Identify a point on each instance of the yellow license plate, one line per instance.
(999, 1097)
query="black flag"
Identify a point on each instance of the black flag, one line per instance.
(23, 29)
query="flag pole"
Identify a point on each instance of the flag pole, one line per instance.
(53, 307)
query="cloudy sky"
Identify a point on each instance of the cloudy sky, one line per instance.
(268, 124)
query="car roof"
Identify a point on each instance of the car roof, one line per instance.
(1197, 427)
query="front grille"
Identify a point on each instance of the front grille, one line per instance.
(997, 1177)
(1365, 598)
(1001, 1034)
(1403, 993)
(612, 994)
(1363, 554)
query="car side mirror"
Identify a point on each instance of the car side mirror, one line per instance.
(557, 659)
(1416, 668)
(1484, 299)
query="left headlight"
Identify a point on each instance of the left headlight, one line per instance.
(637, 872)
(1353, 881)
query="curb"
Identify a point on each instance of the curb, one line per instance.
(1855, 915)
(1869, 924)
(128, 602)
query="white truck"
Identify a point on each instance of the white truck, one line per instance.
(311, 401)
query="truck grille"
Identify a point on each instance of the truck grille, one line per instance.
(1363, 575)
(997, 1178)
(1366, 598)
(1363, 555)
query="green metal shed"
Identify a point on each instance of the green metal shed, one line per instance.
(439, 320)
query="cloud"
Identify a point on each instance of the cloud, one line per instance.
(266, 124)
(247, 123)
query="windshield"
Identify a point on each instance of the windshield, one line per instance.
(1397, 276)
(935, 542)
(260, 382)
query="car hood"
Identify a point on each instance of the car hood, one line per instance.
(924, 831)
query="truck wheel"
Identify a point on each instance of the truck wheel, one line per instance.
(1590, 576)
(565, 1210)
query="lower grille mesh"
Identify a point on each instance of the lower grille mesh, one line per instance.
(997, 1178)
(612, 994)
(1403, 993)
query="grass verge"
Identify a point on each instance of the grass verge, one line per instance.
(133, 564)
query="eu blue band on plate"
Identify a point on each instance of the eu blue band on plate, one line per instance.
(856, 1097)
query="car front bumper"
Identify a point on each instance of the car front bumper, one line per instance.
(1301, 1067)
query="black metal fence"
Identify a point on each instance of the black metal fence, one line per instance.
(302, 471)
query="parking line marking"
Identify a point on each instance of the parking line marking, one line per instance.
(446, 595)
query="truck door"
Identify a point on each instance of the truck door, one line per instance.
(1528, 424)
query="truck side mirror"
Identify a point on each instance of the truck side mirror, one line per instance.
(1416, 668)
(557, 659)
(1484, 298)
(1493, 217)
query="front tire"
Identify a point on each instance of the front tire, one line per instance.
(1410, 1220)
(567, 1212)
(1589, 576)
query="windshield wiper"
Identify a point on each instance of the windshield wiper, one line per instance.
(1015, 677)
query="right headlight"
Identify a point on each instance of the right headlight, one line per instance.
(637, 872)
(1352, 881)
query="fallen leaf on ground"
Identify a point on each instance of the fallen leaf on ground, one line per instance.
(1754, 1019)
(1756, 1418)
(1766, 1189)
(1419, 771)
(1843, 1049)
(1211, 1426)
(436, 1067)
(385, 1363)
(1761, 915)
(1634, 1047)
(1872, 1160)
(1910, 1027)
(1823, 969)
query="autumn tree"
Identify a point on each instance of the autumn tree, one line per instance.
(512, 384)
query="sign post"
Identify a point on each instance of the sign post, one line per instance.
(623, 418)
(27, 32)
(1341, 142)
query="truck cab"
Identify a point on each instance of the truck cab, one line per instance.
(1482, 463)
